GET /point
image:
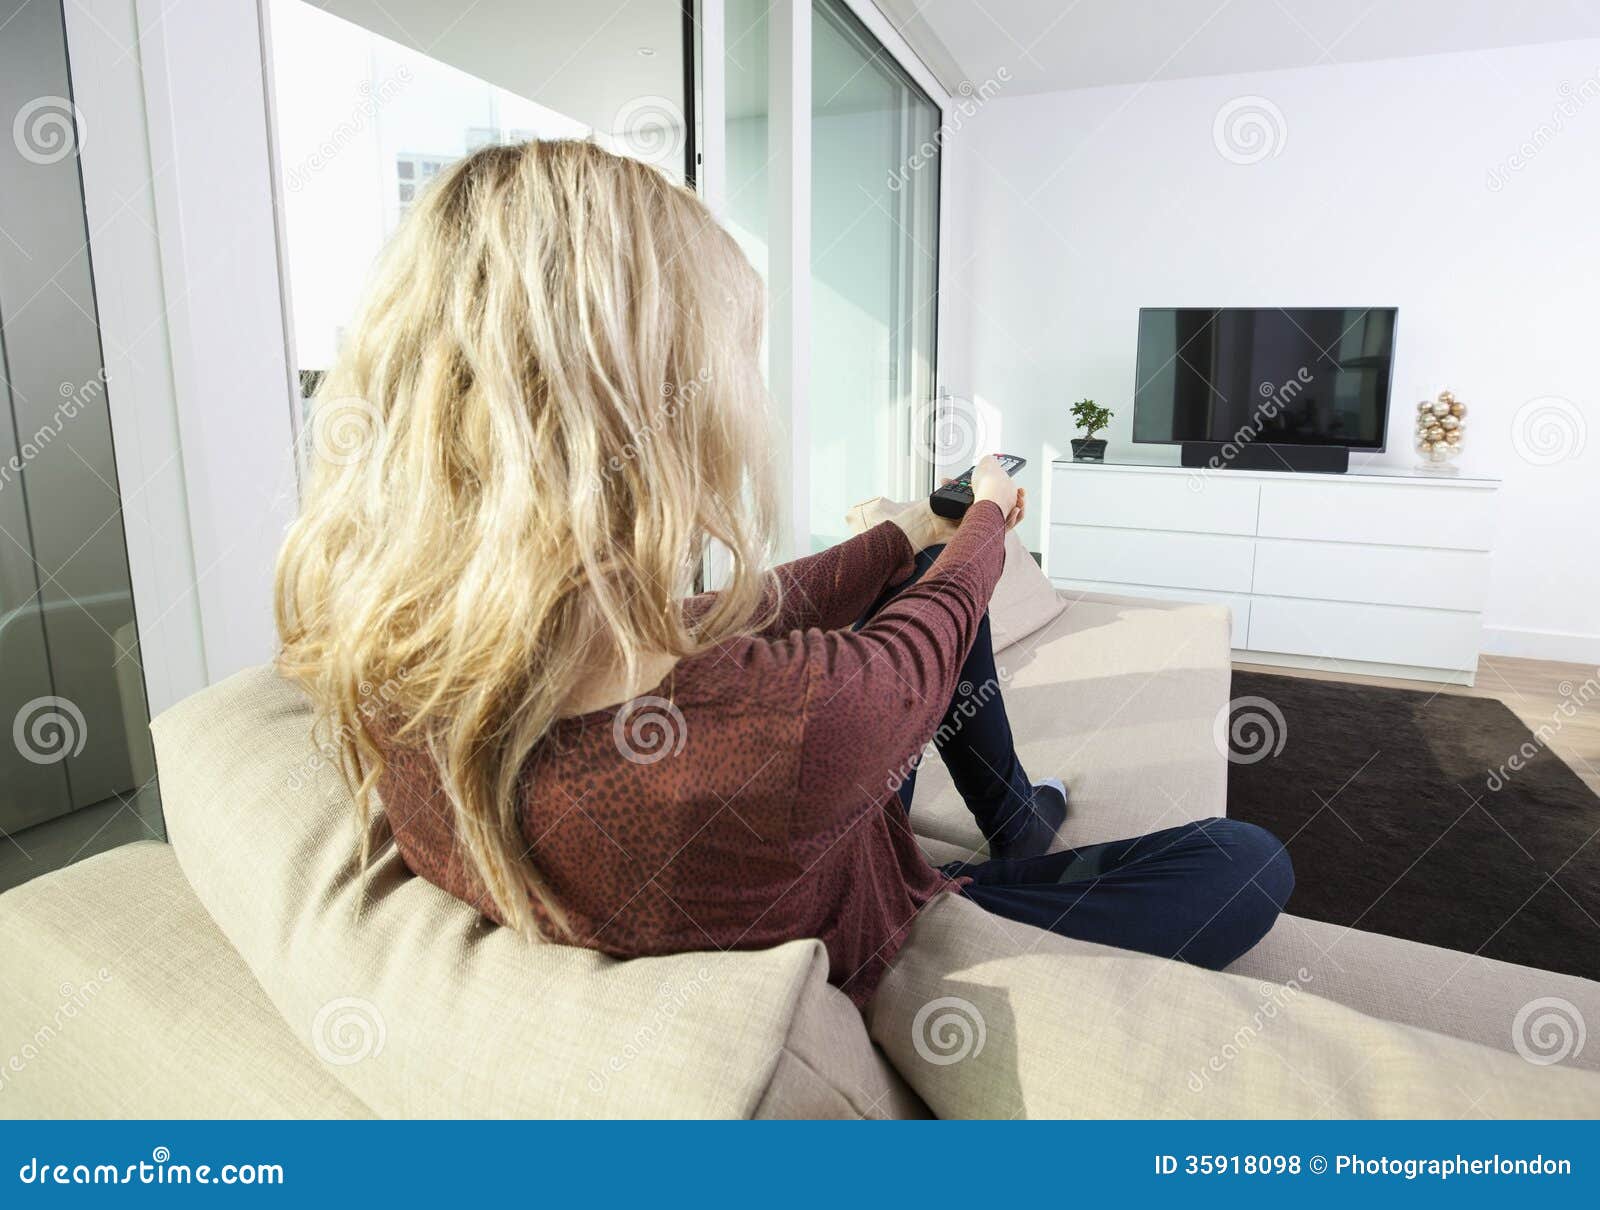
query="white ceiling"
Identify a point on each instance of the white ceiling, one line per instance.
(1047, 45)
(578, 57)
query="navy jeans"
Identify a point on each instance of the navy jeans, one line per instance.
(1203, 892)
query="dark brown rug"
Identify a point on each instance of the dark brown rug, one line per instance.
(1406, 814)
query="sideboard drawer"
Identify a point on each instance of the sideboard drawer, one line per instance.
(1457, 518)
(1191, 502)
(1379, 575)
(1216, 562)
(1383, 634)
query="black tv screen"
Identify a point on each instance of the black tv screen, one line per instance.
(1264, 375)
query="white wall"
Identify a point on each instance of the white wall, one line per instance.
(1407, 183)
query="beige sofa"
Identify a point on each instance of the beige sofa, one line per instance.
(248, 969)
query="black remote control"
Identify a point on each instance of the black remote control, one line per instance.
(954, 498)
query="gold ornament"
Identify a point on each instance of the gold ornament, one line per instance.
(1441, 423)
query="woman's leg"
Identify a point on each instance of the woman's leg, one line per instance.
(1017, 818)
(1204, 892)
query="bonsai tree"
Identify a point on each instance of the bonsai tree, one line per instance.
(1091, 417)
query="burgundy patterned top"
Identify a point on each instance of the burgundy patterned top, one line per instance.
(750, 799)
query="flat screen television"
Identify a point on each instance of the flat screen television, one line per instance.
(1242, 377)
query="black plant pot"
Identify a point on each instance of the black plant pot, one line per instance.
(1088, 449)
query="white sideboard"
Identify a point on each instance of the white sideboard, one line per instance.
(1378, 571)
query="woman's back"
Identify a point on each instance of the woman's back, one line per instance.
(749, 799)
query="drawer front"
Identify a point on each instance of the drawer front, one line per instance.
(1388, 514)
(1379, 575)
(1215, 562)
(1384, 634)
(1239, 605)
(1186, 501)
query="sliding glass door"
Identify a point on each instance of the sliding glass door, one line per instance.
(854, 319)
(874, 266)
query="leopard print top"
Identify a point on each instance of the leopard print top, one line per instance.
(750, 799)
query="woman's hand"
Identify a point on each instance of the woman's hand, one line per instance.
(990, 482)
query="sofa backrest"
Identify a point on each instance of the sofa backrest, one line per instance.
(423, 1008)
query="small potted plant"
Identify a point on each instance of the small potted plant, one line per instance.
(1091, 419)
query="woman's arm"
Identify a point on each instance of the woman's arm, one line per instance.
(831, 589)
(874, 697)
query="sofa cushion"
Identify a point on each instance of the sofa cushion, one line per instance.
(122, 999)
(988, 1018)
(423, 1008)
(1116, 697)
(1024, 600)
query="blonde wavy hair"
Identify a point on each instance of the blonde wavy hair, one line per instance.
(550, 402)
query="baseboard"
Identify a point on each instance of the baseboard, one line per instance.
(1318, 663)
(1542, 645)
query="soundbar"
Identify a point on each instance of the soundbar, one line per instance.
(1253, 456)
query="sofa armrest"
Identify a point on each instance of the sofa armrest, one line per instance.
(121, 999)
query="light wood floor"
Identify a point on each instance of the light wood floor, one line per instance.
(1533, 690)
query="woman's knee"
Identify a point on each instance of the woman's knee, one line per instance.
(1262, 856)
(1255, 878)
